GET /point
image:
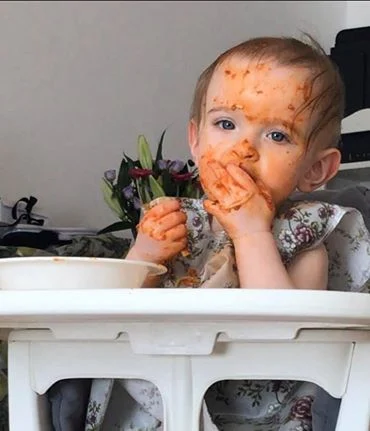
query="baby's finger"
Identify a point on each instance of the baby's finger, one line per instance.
(179, 245)
(211, 208)
(163, 208)
(214, 179)
(171, 220)
(266, 194)
(157, 228)
(242, 178)
(177, 233)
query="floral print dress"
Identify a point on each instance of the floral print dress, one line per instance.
(248, 405)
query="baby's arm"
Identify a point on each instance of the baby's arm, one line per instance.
(260, 265)
(150, 281)
(309, 270)
(245, 209)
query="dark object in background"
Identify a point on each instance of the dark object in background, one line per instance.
(351, 54)
(68, 401)
(41, 240)
(26, 215)
(355, 147)
(17, 234)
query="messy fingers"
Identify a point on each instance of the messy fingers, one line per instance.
(177, 233)
(171, 220)
(158, 228)
(215, 180)
(242, 178)
(211, 207)
(266, 195)
(163, 208)
(179, 245)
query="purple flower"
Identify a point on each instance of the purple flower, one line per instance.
(176, 166)
(110, 175)
(301, 410)
(303, 234)
(163, 164)
(326, 212)
(137, 203)
(128, 192)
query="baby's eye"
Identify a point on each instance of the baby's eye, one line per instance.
(278, 137)
(225, 124)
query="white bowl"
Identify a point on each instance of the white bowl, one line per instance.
(61, 273)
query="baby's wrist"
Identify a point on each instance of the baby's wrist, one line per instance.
(137, 255)
(254, 236)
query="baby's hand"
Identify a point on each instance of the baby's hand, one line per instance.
(162, 233)
(241, 205)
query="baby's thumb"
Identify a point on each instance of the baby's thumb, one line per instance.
(211, 207)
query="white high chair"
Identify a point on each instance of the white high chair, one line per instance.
(184, 340)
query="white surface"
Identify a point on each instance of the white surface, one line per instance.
(359, 121)
(68, 273)
(340, 308)
(358, 14)
(340, 366)
(354, 166)
(184, 340)
(80, 80)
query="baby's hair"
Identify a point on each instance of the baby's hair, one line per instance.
(289, 51)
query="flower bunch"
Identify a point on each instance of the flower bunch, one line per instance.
(142, 180)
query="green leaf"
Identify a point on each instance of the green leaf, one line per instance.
(147, 197)
(145, 155)
(189, 189)
(130, 162)
(169, 186)
(110, 199)
(159, 155)
(155, 188)
(120, 225)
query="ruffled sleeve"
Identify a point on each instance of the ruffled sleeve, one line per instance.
(304, 225)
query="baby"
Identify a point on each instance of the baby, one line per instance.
(265, 123)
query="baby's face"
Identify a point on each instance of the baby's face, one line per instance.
(251, 118)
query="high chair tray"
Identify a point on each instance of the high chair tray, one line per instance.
(208, 305)
(183, 321)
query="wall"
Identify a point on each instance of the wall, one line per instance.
(80, 80)
(358, 14)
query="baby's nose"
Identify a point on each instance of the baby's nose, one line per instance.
(248, 152)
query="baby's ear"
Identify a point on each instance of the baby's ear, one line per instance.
(324, 167)
(193, 139)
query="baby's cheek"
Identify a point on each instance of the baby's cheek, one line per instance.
(282, 184)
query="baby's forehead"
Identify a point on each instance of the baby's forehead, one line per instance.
(243, 76)
(264, 91)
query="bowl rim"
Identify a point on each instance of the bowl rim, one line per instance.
(154, 268)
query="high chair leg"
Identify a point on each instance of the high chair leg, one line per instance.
(177, 397)
(27, 409)
(354, 413)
